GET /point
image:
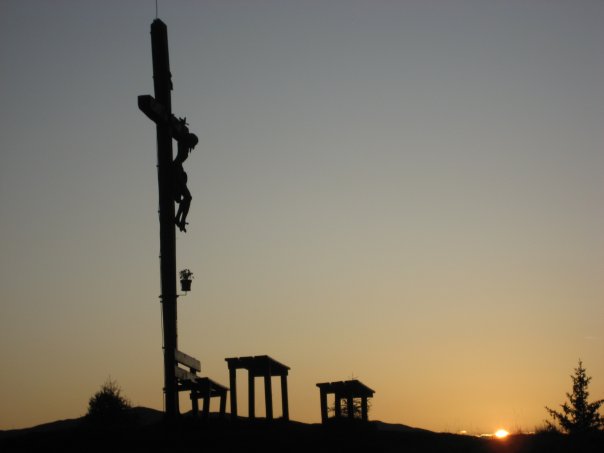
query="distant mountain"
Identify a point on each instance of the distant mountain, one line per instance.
(397, 427)
(58, 425)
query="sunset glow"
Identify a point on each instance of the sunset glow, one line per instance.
(501, 434)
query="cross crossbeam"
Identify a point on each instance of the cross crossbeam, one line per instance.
(157, 113)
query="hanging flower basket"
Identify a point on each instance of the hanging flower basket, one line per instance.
(185, 285)
(186, 276)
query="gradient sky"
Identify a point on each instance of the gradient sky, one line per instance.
(407, 192)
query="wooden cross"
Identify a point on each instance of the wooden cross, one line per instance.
(172, 187)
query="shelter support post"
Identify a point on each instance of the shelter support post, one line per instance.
(284, 397)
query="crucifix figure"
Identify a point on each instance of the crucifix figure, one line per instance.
(178, 130)
(182, 196)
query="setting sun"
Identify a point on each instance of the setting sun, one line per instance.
(501, 434)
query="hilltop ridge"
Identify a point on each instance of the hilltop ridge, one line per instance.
(147, 432)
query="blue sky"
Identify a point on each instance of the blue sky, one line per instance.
(407, 192)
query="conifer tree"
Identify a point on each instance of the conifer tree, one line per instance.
(108, 405)
(578, 415)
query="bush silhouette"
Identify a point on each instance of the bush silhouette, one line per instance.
(108, 406)
(578, 415)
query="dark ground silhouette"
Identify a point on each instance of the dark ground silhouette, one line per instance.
(147, 433)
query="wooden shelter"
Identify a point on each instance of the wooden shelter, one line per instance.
(347, 390)
(258, 366)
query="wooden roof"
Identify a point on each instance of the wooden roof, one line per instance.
(260, 365)
(353, 388)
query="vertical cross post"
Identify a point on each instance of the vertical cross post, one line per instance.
(167, 234)
(172, 187)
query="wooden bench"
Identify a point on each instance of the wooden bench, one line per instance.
(199, 387)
